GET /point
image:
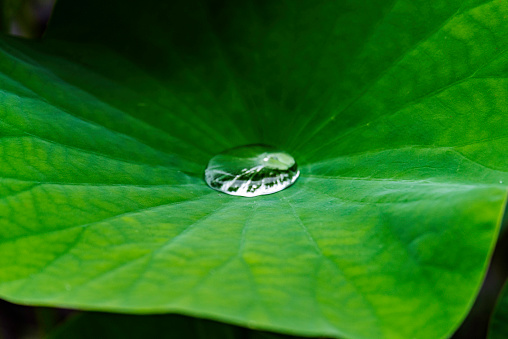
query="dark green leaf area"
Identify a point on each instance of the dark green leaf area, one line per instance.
(498, 328)
(99, 326)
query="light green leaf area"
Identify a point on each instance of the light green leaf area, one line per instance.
(100, 325)
(498, 328)
(396, 112)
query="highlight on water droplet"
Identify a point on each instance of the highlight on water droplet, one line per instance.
(251, 170)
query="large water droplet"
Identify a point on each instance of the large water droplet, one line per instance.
(251, 170)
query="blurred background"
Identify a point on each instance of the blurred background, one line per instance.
(28, 19)
(25, 18)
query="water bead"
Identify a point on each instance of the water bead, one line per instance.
(251, 170)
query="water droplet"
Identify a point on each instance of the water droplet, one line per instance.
(252, 170)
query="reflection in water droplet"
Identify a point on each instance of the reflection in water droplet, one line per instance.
(251, 170)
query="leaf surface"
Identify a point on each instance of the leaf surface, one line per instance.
(395, 112)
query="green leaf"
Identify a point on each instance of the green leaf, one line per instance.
(395, 112)
(98, 325)
(498, 328)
